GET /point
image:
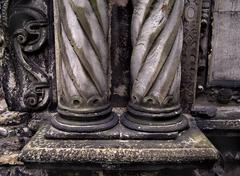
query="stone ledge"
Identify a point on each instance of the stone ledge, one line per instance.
(191, 146)
(212, 117)
(219, 124)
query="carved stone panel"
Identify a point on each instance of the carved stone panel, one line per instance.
(224, 61)
(28, 63)
(191, 23)
(217, 90)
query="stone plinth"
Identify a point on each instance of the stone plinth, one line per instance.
(190, 147)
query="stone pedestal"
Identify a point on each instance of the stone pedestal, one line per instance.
(190, 147)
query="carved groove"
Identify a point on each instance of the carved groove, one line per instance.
(83, 54)
(157, 41)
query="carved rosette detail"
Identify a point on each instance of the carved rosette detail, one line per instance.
(83, 49)
(157, 38)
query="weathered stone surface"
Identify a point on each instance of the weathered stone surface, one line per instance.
(22, 171)
(3, 132)
(14, 134)
(216, 117)
(10, 159)
(168, 171)
(224, 61)
(227, 5)
(120, 51)
(37, 120)
(10, 118)
(217, 94)
(190, 146)
(218, 124)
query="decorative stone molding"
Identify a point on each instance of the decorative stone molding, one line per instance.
(190, 53)
(28, 59)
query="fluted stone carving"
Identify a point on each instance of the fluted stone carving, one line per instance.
(82, 66)
(157, 39)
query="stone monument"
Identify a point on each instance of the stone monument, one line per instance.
(62, 64)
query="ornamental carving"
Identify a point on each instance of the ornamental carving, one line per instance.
(28, 60)
(157, 39)
(82, 54)
(155, 63)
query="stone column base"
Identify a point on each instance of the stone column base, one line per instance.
(190, 147)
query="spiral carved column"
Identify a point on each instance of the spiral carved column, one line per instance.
(157, 39)
(81, 28)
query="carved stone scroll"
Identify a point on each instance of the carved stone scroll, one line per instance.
(157, 39)
(28, 62)
(81, 29)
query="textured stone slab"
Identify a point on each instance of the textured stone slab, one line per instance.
(190, 146)
(211, 117)
(227, 5)
(218, 124)
(9, 159)
(224, 62)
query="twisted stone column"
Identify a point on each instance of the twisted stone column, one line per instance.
(157, 39)
(81, 29)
